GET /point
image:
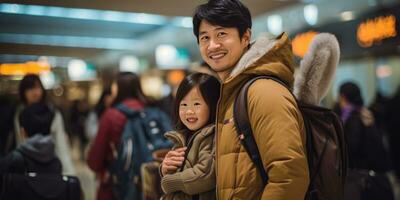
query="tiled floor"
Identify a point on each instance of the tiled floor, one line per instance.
(85, 175)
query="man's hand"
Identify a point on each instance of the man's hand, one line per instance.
(173, 160)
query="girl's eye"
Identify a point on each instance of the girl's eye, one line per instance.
(197, 104)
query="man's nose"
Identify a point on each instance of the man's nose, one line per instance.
(214, 44)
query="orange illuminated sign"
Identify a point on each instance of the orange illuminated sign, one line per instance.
(301, 43)
(23, 68)
(375, 30)
(175, 77)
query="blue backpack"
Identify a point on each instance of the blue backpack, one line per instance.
(143, 133)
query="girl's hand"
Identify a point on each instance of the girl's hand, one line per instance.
(173, 160)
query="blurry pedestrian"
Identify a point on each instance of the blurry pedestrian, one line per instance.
(78, 114)
(31, 91)
(37, 147)
(93, 118)
(7, 135)
(127, 90)
(368, 160)
(393, 128)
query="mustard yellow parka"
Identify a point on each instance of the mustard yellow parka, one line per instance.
(277, 126)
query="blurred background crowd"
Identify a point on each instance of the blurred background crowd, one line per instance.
(68, 53)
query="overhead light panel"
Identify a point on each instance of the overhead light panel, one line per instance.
(72, 41)
(311, 14)
(129, 64)
(185, 22)
(87, 14)
(347, 15)
(275, 24)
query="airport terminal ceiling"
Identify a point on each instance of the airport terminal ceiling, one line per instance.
(100, 31)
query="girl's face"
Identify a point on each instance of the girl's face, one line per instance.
(193, 110)
(114, 90)
(108, 100)
(33, 95)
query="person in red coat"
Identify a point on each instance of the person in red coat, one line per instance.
(128, 91)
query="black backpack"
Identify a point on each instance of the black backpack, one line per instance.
(326, 149)
(37, 186)
(143, 134)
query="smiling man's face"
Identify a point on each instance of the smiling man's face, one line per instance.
(221, 47)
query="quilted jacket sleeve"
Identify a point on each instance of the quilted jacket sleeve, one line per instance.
(280, 137)
(197, 179)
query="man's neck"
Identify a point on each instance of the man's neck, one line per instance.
(224, 75)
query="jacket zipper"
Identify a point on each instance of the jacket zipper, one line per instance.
(217, 132)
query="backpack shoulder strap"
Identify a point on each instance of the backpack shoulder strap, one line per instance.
(128, 112)
(243, 126)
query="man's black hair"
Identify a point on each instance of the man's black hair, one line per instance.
(36, 118)
(225, 13)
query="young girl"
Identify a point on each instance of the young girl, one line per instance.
(188, 170)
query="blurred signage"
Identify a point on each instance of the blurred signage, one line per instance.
(20, 69)
(301, 42)
(375, 30)
(374, 33)
(175, 77)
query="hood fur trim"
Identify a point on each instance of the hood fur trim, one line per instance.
(317, 69)
(264, 43)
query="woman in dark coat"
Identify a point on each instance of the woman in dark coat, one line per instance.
(368, 160)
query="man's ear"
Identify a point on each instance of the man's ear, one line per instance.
(247, 36)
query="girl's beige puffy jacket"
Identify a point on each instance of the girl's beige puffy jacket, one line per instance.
(198, 175)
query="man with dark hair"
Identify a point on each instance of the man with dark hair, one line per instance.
(37, 152)
(223, 31)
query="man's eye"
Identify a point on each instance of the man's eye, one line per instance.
(204, 38)
(220, 34)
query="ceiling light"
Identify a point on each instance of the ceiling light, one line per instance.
(72, 41)
(311, 14)
(129, 64)
(347, 15)
(275, 24)
(86, 14)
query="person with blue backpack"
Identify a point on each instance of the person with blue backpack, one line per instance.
(194, 116)
(128, 134)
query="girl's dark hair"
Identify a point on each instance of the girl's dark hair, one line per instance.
(129, 86)
(28, 82)
(209, 88)
(225, 13)
(100, 106)
(352, 93)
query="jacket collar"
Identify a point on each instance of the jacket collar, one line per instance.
(267, 56)
(179, 138)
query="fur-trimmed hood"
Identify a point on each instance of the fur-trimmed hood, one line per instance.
(268, 55)
(317, 69)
